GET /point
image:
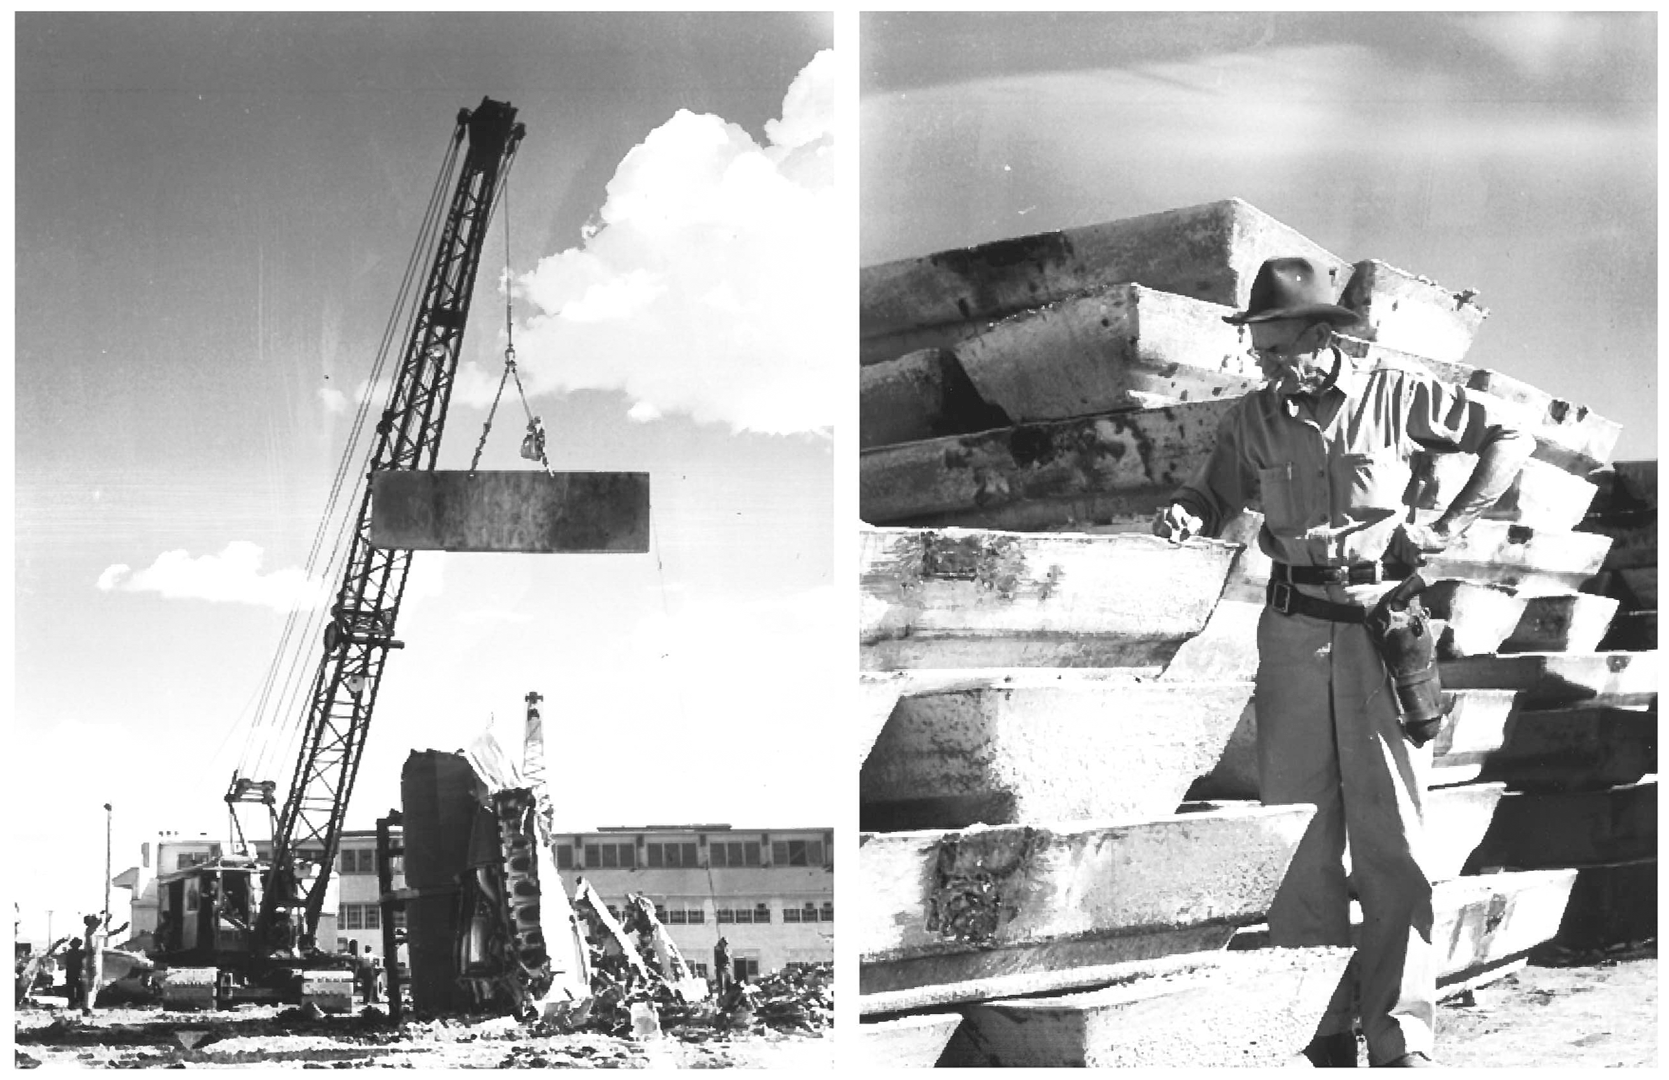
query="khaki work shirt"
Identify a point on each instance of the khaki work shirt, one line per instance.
(1332, 483)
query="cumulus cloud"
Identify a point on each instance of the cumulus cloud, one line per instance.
(232, 576)
(333, 399)
(709, 286)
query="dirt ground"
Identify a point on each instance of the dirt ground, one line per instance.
(1563, 1011)
(254, 1036)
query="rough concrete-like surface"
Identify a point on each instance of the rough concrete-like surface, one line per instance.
(1534, 562)
(975, 595)
(967, 894)
(1123, 347)
(1574, 623)
(1470, 619)
(1210, 252)
(568, 512)
(1457, 820)
(920, 395)
(1563, 750)
(1404, 311)
(1256, 1009)
(993, 754)
(904, 1042)
(1050, 476)
(1559, 680)
(1481, 921)
(1575, 828)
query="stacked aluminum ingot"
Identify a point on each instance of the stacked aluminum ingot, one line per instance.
(1044, 683)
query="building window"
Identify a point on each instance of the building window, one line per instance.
(734, 853)
(759, 913)
(828, 911)
(805, 913)
(399, 918)
(359, 861)
(348, 917)
(724, 914)
(671, 856)
(373, 917)
(697, 968)
(683, 913)
(746, 966)
(797, 853)
(564, 858)
(609, 856)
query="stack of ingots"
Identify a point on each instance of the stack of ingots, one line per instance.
(1058, 785)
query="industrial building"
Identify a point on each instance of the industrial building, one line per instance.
(768, 892)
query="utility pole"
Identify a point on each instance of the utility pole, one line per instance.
(107, 865)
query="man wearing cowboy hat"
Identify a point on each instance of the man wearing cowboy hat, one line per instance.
(1323, 449)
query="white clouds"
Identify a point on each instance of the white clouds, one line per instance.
(232, 576)
(712, 286)
(333, 399)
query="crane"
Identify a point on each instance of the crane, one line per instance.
(215, 931)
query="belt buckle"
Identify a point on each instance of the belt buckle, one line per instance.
(1280, 597)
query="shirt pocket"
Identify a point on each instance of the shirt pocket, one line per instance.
(1281, 509)
(1378, 480)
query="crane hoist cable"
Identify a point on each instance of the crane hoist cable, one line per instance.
(533, 445)
(264, 736)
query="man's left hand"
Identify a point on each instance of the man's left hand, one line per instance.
(1412, 543)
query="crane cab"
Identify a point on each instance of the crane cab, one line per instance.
(208, 910)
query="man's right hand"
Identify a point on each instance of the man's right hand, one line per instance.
(1176, 524)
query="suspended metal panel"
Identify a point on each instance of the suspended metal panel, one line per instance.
(530, 511)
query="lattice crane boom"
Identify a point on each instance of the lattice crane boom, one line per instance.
(361, 630)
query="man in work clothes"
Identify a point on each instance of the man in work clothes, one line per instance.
(74, 961)
(1323, 448)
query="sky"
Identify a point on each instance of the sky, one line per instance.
(1512, 154)
(213, 213)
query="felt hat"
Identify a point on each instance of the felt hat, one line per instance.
(1291, 288)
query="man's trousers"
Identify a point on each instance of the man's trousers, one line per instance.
(1329, 734)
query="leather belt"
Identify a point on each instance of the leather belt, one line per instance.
(1289, 601)
(1360, 574)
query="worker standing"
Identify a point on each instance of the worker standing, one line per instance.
(1324, 449)
(74, 959)
(93, 962)
(721, 964)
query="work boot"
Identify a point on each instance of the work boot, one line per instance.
(1337, 1051)
(1416, 1060)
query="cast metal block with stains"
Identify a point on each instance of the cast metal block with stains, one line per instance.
(1118, 348)
(1035, 745)
(1241, 1009)
(973, 598)
(946, 907)
(1209, 252)
(1540, 830)
(526, 511)
(1557, 680)
(906, 1042)
(1594, 746)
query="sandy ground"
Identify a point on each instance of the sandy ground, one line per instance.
(254, 1036)
(1590, 1015)
(1562, 1012)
